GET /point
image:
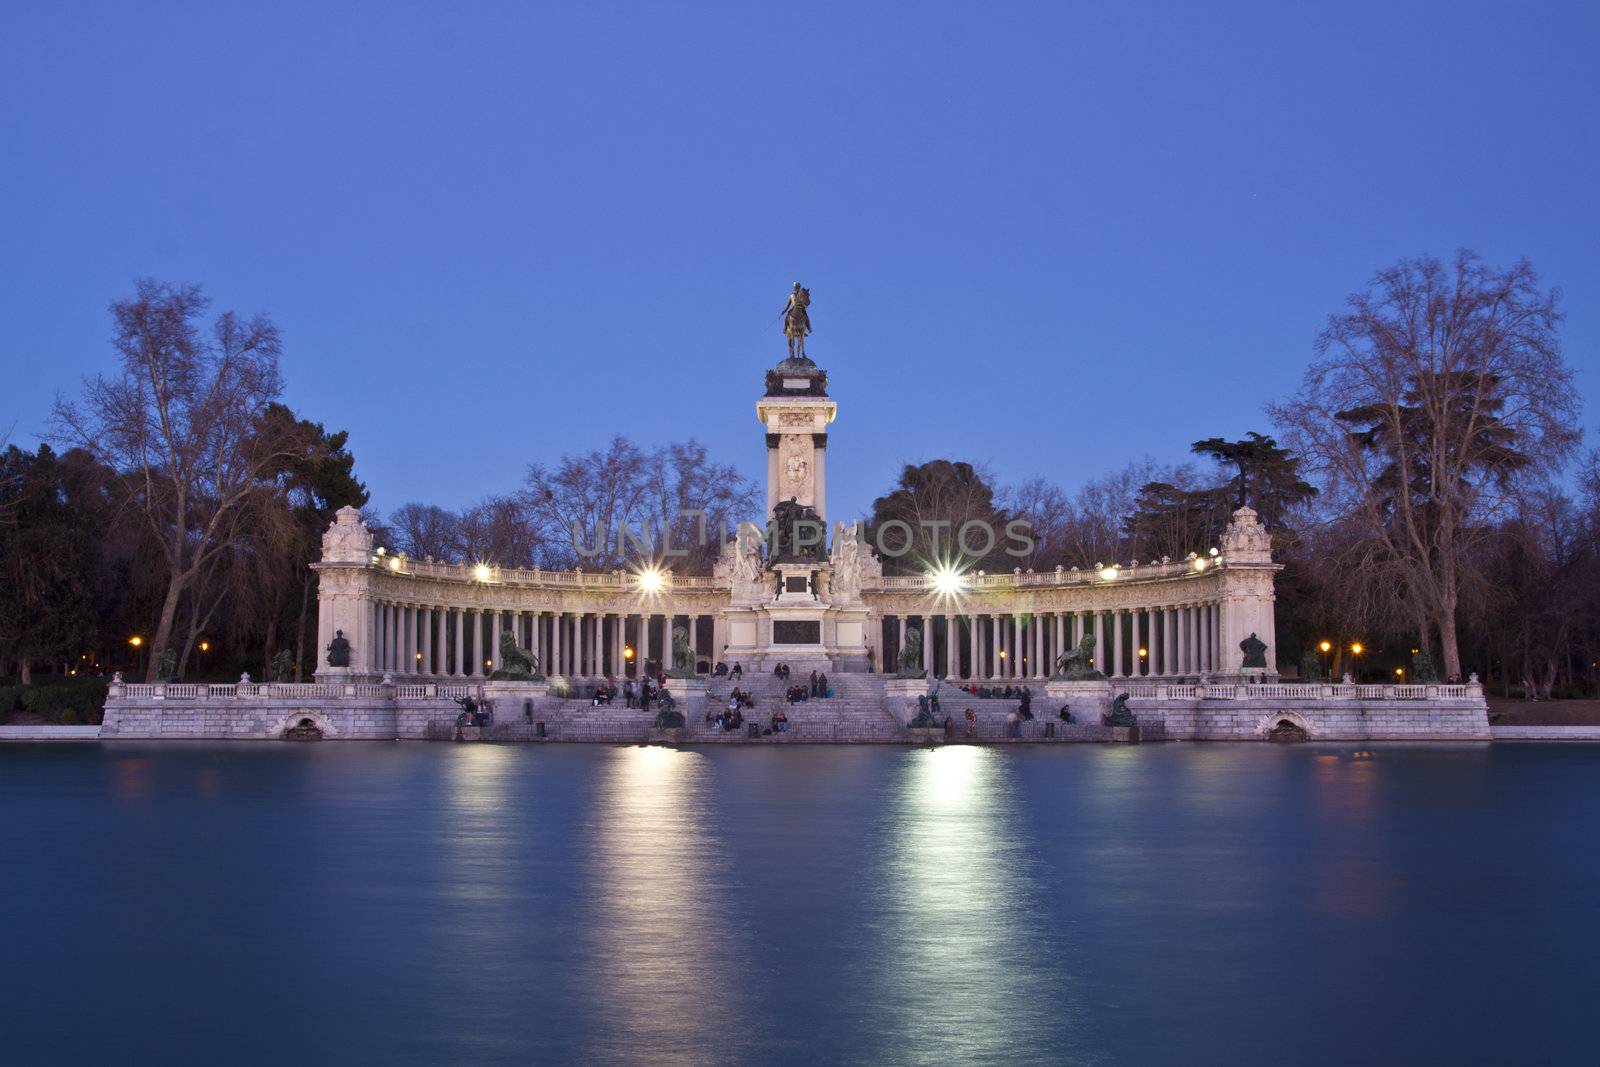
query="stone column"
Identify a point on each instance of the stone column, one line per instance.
(1037, 655)
(1100, 641)
(926, 622)
(427, 640)
(391, 643)
(1116, 644)
(1216, 645)
(644, 643)
(1186, 639)
(1061, 634)
(574, 644)
(453, 624)
(1195, 639)
(556, 666)
(1150, 642)
(413, 640)
(494, 641)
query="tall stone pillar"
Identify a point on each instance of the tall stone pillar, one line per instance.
(427, 640)
(453, 627)
(394, 639)
(1116, 644)
(1151, 668)
(413, 639)
(557, 665)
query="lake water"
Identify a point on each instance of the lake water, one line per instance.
(416, 903)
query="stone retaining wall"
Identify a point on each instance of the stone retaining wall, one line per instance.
(403, 712)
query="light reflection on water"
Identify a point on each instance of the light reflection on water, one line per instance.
(590, 904)
(658, 934)
(964, 967)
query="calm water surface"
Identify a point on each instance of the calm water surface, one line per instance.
(415, 903)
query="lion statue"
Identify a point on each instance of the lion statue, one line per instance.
(517, 664)
(1077, 665)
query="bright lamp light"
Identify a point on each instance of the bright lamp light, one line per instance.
(946, 581)
(650, 580)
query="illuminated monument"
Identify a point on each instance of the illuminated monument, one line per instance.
(1188, 641)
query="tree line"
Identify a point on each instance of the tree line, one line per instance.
(1424, 488)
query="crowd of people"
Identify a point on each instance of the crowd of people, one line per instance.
(815, 688)
(997, 692)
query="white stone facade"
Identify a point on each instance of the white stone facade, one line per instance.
(1167, 632)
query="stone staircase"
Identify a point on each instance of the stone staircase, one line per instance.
(856, 711)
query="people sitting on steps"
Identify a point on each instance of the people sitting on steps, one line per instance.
(780, 722)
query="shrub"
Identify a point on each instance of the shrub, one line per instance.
(67, 702)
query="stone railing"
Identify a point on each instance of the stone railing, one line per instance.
(188, 692)
(1299, 691)
(1055, 578)
(538, 578)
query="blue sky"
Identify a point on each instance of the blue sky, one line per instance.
(1051, 238)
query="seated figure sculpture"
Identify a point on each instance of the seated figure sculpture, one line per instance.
(911, 656)
(682, 654)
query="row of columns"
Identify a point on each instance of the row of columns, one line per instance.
(445, 642)
(1169, 641)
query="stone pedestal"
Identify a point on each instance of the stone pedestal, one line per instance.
(1089, 702)
(900, 696)
(690, 696)
(507, 698)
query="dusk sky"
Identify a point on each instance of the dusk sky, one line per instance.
(1050, 238)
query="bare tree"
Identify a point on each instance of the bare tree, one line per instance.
(426, 530)
(588, 504)
(500, 529)
(176, 425)
(1430, 394)
(607, 509)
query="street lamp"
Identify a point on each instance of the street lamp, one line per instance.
(138, 652)
(1355, 651)
(1326, 647)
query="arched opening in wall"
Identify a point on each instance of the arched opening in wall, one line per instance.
(304, 729)
(1287, 732)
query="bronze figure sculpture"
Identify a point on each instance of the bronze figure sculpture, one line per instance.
(797, 320)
